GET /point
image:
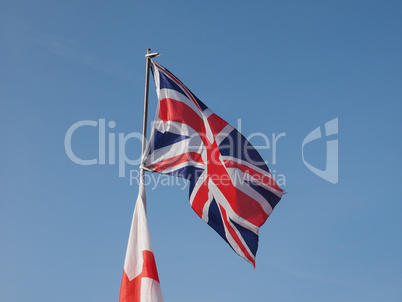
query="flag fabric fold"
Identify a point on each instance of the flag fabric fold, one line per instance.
(231, 187)
(140, 282)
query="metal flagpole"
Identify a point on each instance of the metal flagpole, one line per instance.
(148, 57)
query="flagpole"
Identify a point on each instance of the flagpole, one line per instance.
(140, 259)
(148, 57)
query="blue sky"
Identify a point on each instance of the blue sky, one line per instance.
(279, 66)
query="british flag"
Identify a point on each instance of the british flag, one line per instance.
(231, 187)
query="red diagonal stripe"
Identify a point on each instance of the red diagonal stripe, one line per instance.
(200, 198)
(265, 179)
(176, 160)
(235, 237)
(176, 111)
(242, 204)
(216, 124)
(162, 69)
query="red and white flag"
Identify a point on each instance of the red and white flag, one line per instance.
(140, 281)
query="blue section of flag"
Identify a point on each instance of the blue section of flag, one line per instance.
(248, 236)
(185, 172)
(201, 104)
(166, 139)
(166, 82)
(235, 145)
(215, 219)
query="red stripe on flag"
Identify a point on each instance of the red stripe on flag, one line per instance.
(235, 237)
(130, 291)
(242, 204)
(200, 198)
(176, 111)
(216, 124)
(177, 160)
(265, 179)
(176, 80)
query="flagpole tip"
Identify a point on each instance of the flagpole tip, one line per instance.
(152, 55)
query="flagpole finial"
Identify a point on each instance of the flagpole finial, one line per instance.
(151, 55)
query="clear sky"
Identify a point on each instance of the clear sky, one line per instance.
(282, 67)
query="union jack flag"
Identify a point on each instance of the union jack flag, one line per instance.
(231, 187)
